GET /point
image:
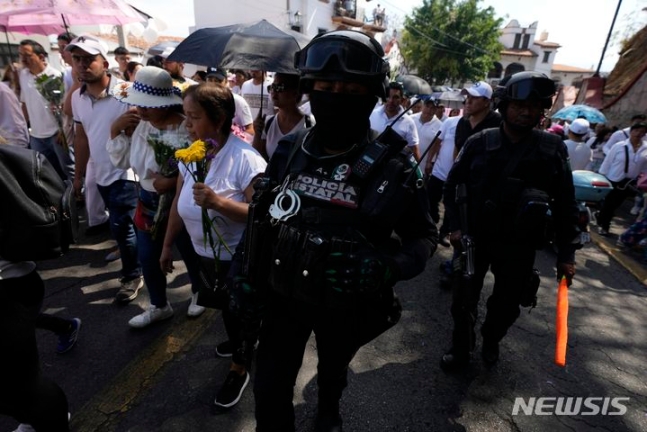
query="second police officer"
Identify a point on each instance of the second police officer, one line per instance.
(347, 220)
(516, 179)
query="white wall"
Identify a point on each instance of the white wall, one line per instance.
(314, 13)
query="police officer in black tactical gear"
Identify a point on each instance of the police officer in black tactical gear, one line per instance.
(517, 187)
(348, 218)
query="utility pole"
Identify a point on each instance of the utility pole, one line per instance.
(606, 43)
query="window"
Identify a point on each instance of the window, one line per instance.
(546, 57)
(526, 41)
(517, 41)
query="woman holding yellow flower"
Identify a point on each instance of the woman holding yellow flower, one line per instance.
(159, 129)
(216, 180)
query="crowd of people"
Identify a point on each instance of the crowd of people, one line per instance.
(346, 194)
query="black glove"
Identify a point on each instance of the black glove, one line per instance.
(364, 272)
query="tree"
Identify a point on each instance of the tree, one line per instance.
(451, 40)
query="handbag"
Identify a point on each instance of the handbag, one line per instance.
(213, 292)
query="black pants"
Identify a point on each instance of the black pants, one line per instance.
(612, 202)
(243, 347)
(511, 266)
(284, 334)
(24, 394)
(435, 192)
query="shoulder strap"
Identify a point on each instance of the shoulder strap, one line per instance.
(626, 159)
(625, 133)
(308, 121)
(492, 139)
(268, 123)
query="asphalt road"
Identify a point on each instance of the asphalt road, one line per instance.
(164, 378)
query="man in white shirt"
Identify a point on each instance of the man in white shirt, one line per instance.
(44, 127)
(623, 163)
(443, 152)
(13, 127)
(579, 152)
(243, 115)
(427, 126)
(622, 134)
(383, 116)
(95, 109)
(254, 91)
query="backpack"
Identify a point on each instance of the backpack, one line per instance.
(39, 218)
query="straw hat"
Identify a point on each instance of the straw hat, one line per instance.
(153, 88)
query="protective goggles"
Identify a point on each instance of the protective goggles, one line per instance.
(276, 88)
(352, 57)
(528, 88)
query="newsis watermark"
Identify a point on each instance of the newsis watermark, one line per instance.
(570, 406)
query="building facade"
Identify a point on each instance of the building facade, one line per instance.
(309, 17)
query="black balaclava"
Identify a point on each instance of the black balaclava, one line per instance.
(342, 119)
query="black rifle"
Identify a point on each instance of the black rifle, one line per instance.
(463, 271)
(464, 263)
(257, 215)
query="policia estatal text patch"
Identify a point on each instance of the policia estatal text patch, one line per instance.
(335, 192)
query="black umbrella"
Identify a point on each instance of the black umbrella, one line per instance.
(259, 46)
(159, 48)
(414, 85)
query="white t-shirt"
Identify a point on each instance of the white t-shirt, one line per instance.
(13, 126)
(230, 173)
(243, 115)
(613, 166)
(135, 152)
(615, 138)
(579, 155)
(445, 159)
(274, 134)
(252, 94)
(426, 133)
(96, 116)
(404, 126)
(42, 121)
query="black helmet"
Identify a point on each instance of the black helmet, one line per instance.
(343, 55)
(526, 85)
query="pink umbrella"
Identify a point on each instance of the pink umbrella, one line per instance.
(47, 15)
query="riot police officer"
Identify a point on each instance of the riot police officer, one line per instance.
(328, 259)
(516, 180)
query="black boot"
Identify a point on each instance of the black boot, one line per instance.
(328, 418)
(452, 361)
(490, 352)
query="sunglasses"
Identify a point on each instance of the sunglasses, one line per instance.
(276, 88)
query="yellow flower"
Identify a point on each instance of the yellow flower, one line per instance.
(194, 153)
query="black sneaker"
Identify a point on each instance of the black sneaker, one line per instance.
(490, 353)
(231, 391)
(66, 341)
(328, 422)
(98, 229)
(224, 349)
(451, 362)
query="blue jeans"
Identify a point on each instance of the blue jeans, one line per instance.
(121, 199)
(149, 250)
(55, 154)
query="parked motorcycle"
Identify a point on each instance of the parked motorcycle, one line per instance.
(590, 190)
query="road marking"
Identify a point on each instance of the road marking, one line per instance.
(105, 409)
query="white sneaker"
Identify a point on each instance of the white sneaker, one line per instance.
(194, 308)
(151, 315)
(24, 427)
